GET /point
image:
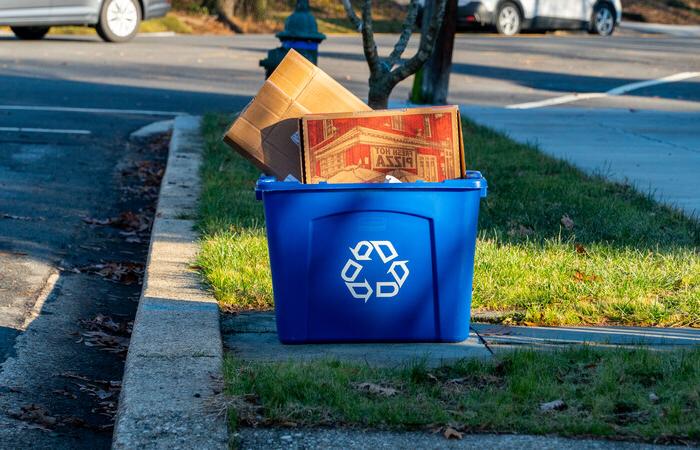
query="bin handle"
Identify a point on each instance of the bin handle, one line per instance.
(475, 174)
(263, 179)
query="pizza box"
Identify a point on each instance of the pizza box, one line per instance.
(365, 146)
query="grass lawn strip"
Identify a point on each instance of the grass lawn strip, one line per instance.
(560, 246)
(619, 394)
(556, 246)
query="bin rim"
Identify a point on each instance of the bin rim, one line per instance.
(473, 180)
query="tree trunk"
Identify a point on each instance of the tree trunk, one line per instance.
(225, 11)
(379, 92)
(431, 86)
(386, 73)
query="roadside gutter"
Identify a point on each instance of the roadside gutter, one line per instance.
(173, 368)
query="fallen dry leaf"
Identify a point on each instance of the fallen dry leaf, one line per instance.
(65, 393)
(107, 342)
(35, 414)
(567, 222)
(581, 277)
(130, 221)
(556, 405)
(119, 272)
(376, 389)
(521, 231)
(94, 221)
(580, 249)
(107, 392)
(103, 322)
(25, 218)
(451, 433)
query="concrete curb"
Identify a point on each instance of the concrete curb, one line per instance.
(660, 28)
(174, 364)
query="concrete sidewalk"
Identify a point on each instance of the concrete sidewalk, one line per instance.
(253, 336)
(657, 152)
(553, 337)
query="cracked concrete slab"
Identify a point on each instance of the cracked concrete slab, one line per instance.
(252, 336)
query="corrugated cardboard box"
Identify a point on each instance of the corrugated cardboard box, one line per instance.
(363, 147)
(265, 131)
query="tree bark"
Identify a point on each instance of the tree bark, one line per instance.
(386, 73)
(225, 11)
(379, 92)
(433, 85)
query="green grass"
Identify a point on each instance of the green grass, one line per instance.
(620, 394)
(626, 259)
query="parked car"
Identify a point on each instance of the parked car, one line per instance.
(511, 16)
(114, 20)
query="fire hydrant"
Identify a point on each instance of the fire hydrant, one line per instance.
(300, 33)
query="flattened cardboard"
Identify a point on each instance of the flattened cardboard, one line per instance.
(363, 147)
(264, 130)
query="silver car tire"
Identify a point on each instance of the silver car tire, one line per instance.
(508, 19)
(603, 21)
(119, 20)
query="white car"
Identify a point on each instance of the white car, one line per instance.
(114, 20)
(511, 16)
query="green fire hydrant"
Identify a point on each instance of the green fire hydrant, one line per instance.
(300, 33)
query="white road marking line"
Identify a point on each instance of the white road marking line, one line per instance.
(43, 130)
(143, 112)
(625, 88)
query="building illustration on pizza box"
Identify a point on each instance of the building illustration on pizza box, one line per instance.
(410, 147)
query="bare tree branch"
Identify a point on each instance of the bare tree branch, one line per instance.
(368, 43)
(425, 47)
(350, 11)
(406, 31)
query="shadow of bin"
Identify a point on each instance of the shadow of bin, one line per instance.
(373, 262)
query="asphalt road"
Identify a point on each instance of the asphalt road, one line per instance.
(50, 393)
(68, 104)
(204, 73)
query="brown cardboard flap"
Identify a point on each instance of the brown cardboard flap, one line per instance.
(295, 88)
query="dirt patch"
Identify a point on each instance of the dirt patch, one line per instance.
(674, 12)
(203, 23)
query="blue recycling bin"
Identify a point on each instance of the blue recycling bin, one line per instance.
(372, 262)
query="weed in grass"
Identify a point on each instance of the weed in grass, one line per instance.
(605, 392)
(619, 258)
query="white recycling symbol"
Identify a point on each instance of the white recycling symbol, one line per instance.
(363, 252)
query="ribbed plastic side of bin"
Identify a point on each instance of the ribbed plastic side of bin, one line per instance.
(372, 262)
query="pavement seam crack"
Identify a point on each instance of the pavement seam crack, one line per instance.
(648, 138)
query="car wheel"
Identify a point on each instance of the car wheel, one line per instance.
(603, 22)
(119, 20)
(508, 19)
(30, 33)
